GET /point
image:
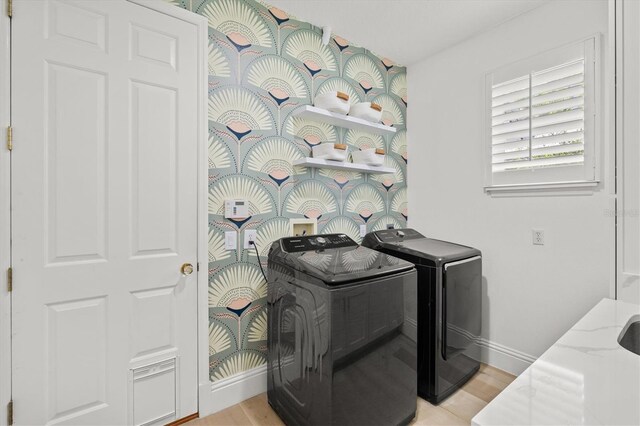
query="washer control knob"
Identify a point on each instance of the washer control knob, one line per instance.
(321, 240)
(400, 234)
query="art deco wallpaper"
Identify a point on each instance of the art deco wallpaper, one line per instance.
(263, 65)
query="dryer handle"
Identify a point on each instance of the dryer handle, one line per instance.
(443, 348)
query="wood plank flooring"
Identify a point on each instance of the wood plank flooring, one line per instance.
(458, 409)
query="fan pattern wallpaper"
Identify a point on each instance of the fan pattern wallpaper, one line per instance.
(263, 64)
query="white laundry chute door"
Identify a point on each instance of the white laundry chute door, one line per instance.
(104, 207)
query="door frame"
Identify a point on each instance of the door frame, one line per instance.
(201, 24)
(622, 137)
(5, 213)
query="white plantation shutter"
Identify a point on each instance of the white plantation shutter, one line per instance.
(510, 123)
(541, 121)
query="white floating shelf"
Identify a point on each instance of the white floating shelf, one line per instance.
(341, 120)
(328, 164)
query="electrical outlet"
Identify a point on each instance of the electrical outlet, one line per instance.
(538, 237)
(363, 230)
(249, 235)
(231, 240)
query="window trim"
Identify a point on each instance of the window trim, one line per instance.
(592, 166)
(542, 186)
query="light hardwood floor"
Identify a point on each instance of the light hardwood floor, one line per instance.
(458, 409)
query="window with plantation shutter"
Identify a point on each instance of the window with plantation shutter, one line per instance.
(542, 120)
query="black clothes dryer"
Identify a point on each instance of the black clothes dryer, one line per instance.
(341, 346)
(449, 307)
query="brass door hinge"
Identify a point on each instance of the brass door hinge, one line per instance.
(10, 138)
(10, 279)
(9, 8)
(10, 413)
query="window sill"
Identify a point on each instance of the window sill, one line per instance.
(551, 188)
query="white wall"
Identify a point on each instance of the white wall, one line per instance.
(532, 294)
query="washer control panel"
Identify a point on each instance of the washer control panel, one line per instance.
(316, 242)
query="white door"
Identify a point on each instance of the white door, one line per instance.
(104, 206)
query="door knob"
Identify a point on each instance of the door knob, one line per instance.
(186, 269)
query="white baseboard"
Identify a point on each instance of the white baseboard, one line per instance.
(500, 356)
(232, 390)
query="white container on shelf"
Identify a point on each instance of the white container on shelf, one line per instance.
(369, 111)
(330, 151)
(370, 157)
(333, 101)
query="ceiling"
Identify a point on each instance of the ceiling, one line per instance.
(406, 30)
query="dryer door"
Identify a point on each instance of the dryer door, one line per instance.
(461, 305)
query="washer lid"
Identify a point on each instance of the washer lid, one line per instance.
(342, 260)
(342, 265)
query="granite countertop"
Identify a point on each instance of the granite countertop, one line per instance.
(586, 377)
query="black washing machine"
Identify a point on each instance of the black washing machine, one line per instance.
(449, 307)
(341, 346)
